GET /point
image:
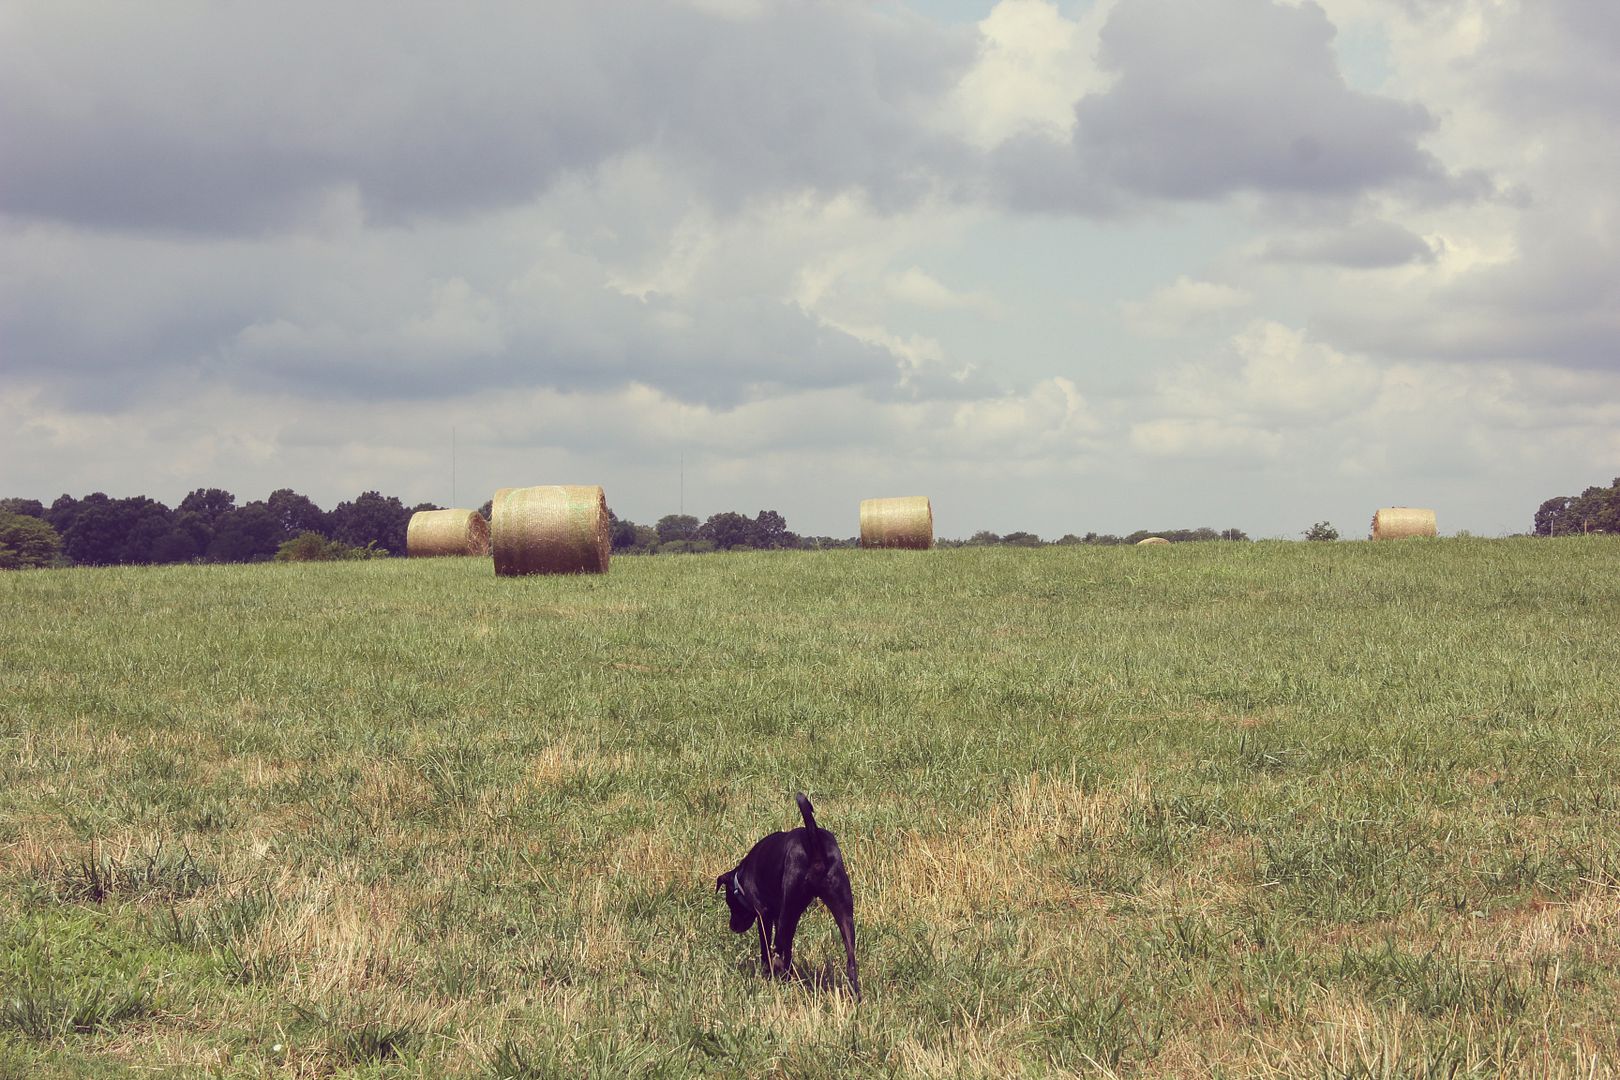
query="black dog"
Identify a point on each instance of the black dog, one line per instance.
(778, 879)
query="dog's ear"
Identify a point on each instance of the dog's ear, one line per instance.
(720, 883)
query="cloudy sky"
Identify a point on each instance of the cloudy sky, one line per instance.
(1061, 266)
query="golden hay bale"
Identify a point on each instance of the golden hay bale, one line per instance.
(447, 532)
(897, 523)
(1399, 522)
(553, 529)
(1152, 540)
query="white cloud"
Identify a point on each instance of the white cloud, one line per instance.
(1270, 378)
(1275, 399)
(1183, 305)
(1052, 417)
(1033, 65)
(917, 287)
(1203, 438)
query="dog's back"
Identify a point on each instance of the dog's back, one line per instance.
(820, 846)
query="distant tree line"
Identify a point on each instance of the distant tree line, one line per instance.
(683, 534)
(1029, 539)
(207, 526)
(210, 526)
(767, 530)
(1595, 510)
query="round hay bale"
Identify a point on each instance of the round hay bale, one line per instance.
(1152, 540)
(446, 532)
(554, 529)
(1399, 522)
(897, 523)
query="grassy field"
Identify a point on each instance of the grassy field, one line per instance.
(1272, 809)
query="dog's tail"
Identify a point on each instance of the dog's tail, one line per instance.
(805, 809)
(829, 846)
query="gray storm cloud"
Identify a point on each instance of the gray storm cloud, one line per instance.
(1366, 245)
(244, 117)
(1212, 99)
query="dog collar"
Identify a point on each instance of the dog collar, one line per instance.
(735, 884)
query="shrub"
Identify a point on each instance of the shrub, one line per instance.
(313, 547)
(26, 542)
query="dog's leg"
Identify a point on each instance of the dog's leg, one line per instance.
(786, 927)
(764, 947)
(843, 911)
(846, 927)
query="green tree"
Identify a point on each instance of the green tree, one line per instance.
(297, 513)
(27, 542)
(1597, 509)
(676, 527)
(1550, 516)
(726, 530)
(210, 504)
(65, 511)
(249, 533)
(148, 525)
(192, 533)
(105, 532)
(26, 507)
(1322, 530)
(372, 519)
(179, 543)
(769, 530)
(630, 538)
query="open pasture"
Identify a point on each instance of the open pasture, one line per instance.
(1272, 809)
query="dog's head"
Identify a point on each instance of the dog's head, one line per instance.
(742, 913)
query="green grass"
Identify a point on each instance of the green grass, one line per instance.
(1338, 810)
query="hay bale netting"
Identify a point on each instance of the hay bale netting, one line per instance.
(1152, 540)
(447, 532)
(897, 523)
(1399, 522)
(555, 529)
